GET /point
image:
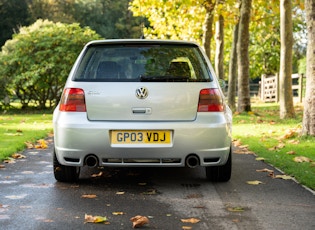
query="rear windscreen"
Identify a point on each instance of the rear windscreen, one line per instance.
(143, 63)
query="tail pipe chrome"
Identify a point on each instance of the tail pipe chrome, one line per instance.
(192, 161)
(91, 161)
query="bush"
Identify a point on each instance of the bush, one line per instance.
(34, 65)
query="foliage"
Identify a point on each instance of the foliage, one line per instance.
(13, 14)
(36, 62)
(183, 19)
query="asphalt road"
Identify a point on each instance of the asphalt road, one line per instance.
(30, 198)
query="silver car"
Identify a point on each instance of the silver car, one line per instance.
(142, 103)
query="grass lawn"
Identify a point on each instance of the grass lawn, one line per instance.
(17, 129)
(277, 141)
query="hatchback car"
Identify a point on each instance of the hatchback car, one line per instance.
(136, 102)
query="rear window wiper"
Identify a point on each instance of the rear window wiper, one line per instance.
(149, 78)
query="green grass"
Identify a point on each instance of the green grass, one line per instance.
(273, 139)
(16, 129)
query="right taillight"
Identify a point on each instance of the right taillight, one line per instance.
(72, 100)
(210, 100)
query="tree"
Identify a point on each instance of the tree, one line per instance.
(285, 81)
(13, 15)
(309, 102)
(243, 58)
(219, 38)
(233, 69)
(34, 65)
(209, 5)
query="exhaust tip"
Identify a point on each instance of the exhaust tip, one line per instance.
(192, 161)
(91, 161)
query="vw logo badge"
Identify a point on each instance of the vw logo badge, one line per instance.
(142, 92)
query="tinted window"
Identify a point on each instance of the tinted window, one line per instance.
(157, 63)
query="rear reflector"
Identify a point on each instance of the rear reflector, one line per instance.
(210, 101)
(72, 100)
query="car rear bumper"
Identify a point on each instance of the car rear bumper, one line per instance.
(207, 137)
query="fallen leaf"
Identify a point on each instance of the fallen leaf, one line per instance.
(41, 144)
(260, 159)
(2, 166)
(9, 161)
(29, 145)
(254, 182)
(235, 209)
(264, 170)
(18, 156)
(291, 152)
(94, 219)
(90, 196)
(139, 221)
(190, 220)
(294, 142)
(186, 227)
(149, 192)
(302, 159)
(97, 174)
(284, 177)
(118, 213)
(120, 193)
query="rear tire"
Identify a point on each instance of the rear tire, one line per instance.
(65, 173)
(220, 173)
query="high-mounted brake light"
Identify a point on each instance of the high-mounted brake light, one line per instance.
(210, 100)
(72, 100)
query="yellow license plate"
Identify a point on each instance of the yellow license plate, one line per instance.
(141, 136)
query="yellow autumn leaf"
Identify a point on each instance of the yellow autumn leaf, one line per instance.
(291, 152)
(260, 159)
(94, 219)
(186, 227)
(118, 213)
(41, 144)
(120, 193)
(284, 177)
(190, 220)
(254, 182)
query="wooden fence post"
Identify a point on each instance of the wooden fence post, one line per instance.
(277, 87)
(300, 88)
(262, 87)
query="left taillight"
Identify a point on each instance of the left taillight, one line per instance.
(210, 100)
(72, 100)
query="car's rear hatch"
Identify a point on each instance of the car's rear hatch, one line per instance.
(113, 101)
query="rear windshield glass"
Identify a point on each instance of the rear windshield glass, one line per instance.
(143, 63)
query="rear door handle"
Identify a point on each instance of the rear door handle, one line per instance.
(141, 110)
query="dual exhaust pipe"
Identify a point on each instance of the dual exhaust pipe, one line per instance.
(191, 161)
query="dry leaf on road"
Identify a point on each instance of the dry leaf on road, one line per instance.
(94, 219)
(254, 182)
(90, 196)
(139, 221)
(190, 220)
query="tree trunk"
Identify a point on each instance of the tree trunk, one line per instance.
(207, 34)
(242, 57)
(285, 81)
(233, 70)
(309, 101)
(219, 54)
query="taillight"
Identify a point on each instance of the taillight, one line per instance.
(210, 100)
(72, 100)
